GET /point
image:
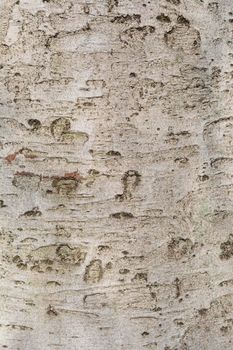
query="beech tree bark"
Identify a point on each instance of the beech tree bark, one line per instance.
(116, 175)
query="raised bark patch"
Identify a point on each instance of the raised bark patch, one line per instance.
(94, 272)
(227, 249)
(179, 248)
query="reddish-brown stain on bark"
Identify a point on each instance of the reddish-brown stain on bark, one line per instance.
(11, 157)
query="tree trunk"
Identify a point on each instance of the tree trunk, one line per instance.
(117, 157)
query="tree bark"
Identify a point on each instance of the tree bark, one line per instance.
(116, 172)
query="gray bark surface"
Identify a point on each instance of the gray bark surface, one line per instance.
(116, 175)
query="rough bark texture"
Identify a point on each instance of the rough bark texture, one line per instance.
(116, 175)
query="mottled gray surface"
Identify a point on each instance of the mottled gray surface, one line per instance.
(116, 175)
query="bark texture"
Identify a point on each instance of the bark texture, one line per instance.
(116, 175)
